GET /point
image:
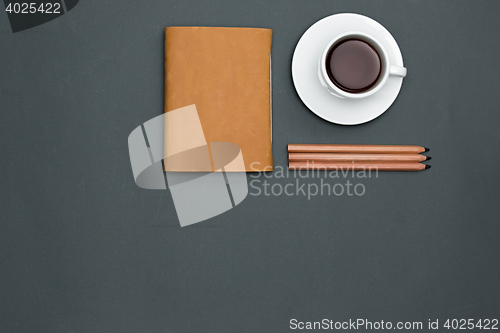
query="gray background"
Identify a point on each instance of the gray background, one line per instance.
(83, 249)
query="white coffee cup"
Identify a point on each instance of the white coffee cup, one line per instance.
(386, 68)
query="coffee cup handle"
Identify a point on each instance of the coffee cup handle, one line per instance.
(397, 71)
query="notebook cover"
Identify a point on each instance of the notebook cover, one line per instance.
(225, 72)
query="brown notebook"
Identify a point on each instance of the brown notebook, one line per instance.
(225, 72)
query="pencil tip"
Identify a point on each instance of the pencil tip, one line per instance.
(427, 166)
(428, 158)
(426, 149)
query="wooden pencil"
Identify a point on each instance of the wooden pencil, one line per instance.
(358, 149)
(358, 166)
(348, 158)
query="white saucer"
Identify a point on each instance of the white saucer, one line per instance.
(316, 97)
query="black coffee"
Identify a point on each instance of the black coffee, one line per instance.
(353, 65)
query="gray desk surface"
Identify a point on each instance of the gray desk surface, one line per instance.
(83, 249)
